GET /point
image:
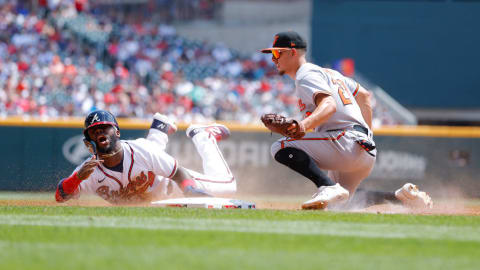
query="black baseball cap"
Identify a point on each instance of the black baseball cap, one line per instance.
(289, 39)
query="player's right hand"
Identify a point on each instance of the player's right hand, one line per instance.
(88, 168)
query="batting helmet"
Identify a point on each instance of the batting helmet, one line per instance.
(99, 117)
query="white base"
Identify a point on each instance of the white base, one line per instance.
(205, 202)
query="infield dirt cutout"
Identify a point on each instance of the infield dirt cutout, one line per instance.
(440, 208)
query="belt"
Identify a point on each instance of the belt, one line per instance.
(358, 128)
(361, 129)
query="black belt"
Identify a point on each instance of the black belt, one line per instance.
(358, 128)
(361, 129)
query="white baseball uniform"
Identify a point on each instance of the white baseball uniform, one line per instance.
(333, 145)
(147, 168)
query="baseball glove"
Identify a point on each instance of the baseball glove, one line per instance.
(287, 127)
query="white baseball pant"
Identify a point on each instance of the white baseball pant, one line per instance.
(217, 178)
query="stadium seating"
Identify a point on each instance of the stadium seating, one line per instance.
(66, 64)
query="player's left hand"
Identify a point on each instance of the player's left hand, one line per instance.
(287, 127)
(296, 130)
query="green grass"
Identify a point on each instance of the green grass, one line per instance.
(159, 238)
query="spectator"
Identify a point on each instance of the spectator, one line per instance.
(49, 73)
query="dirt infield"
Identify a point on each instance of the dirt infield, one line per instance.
(443, 208)
(440, 208)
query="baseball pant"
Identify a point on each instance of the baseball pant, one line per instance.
(216, 178)
(337, 152)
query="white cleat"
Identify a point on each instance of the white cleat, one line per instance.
(410, 196)
(327, 195)
(163, 123)
(218, 131)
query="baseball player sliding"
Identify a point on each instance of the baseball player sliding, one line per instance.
(129, 171)
(339, 112)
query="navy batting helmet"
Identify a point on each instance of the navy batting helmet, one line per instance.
(99, 117)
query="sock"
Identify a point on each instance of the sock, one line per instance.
(302, 163)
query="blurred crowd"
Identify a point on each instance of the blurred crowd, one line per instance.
(144, 68)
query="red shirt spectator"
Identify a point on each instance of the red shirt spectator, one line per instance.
(39, 26)
(121, 71)
(109, 98)
(117, 89)
(240, 89)
(22, 66)
(113, 48)
(168, 76)
(186, 102)
(21, 86)
(265, 86)
(165, 98)
(81, 5)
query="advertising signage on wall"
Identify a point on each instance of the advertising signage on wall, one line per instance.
(38, 157)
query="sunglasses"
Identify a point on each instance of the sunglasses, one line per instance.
(276, 52)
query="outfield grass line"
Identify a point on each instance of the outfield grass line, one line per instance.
(341, 229)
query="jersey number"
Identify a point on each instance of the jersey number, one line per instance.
(342, 92)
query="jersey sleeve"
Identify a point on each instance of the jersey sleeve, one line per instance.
(88, 186)
(352, 85)
(313, 84)
(164, 164)
(159, 161)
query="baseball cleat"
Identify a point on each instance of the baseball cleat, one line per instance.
(163, 123)
(327, 195)
(218, 131)
(410, 196)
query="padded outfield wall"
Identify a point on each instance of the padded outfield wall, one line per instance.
(38, 154)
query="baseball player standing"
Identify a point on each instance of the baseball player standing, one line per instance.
(132, 171)
(338, 111)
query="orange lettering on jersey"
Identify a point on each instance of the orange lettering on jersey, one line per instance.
(342, 92)
(301, 106)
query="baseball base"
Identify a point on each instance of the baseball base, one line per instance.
(205, 202)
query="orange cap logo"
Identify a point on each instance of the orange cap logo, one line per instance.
(275, 40)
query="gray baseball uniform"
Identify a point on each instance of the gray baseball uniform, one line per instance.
(333, 145)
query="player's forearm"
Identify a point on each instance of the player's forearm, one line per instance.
(186, 183)
(325, 109)
(367, 114)
(363, 99)
(67, 187)
(183, 178)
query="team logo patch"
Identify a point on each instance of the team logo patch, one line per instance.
(275, 41)
(95, 119)
(159, 125)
